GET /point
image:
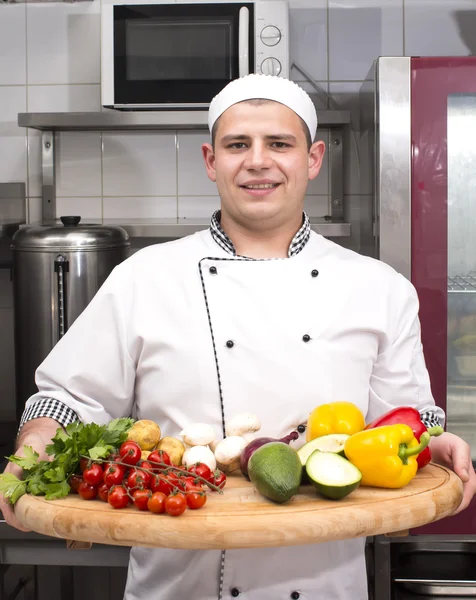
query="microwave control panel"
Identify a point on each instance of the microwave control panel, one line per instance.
(272, 38)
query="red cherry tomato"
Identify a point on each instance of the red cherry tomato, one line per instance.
(161, 483)
(218, 478)
(189, 483)
(87, 491)
(114, 475)
(141, 498)
(130, 453)
(74, 482)
(156, 503)
(196, 499)
(138, 479)
(145, 464)
(175, 505)
(84, 463)
(94, 474)
(201, 470)
(118, 497)
(103, 492)
(159, 456)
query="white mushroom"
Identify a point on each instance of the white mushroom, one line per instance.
(242, 423)
(201, 454)
(198, 434)
(248, 436)
(213, 445)
(228, 452)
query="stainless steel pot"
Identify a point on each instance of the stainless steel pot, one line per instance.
(56, 272)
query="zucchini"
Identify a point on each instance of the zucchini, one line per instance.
(333, 442)
(332, 475)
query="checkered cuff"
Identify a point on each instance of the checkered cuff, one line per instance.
(429, 419)
(52, 408)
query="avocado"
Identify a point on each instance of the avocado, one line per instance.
(332, 475)
(275, 470)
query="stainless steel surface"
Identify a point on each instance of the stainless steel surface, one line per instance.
(91, 252)
(393, 163)
(457, 588)
(461, 395)
(336, 154)
(48, 183)
(176, 228)
(461, 184)
(146, 120)
(12, 207)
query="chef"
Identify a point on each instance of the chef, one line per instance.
(256, 314)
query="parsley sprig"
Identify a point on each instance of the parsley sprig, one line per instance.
(50, 478)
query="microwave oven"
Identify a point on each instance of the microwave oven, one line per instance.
(179, 55)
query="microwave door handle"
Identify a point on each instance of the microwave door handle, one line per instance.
(243, 41)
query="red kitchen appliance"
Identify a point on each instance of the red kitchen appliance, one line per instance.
(419, 128)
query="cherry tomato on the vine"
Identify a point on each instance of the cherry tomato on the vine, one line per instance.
(94, 474)
(74, 482)
(103, 492)
(84, 463)
(141, 498)
(156, 503)
(218, 478)
(118, 497)
(87, 491)
(138, 479)
(114, 475)
(196, 499)
(161, 483)
(130, 453)
(189, 483)
(175, 505)
(158, 456)
(201, 470)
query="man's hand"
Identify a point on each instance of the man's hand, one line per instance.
(37, 434)
(451, 451)
(5, 506)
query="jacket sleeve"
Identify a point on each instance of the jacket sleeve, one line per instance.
(90, 369)
(399, 376)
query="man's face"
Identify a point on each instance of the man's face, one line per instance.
(261, 164)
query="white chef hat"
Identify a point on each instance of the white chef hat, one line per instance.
(269, 87)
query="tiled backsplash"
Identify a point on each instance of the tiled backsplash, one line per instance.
(50, 61)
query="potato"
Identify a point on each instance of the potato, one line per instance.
(174, 448)
(145, 433)
(145, 454)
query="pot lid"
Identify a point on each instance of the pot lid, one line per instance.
(71, 235)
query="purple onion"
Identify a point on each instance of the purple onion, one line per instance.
(257, 443)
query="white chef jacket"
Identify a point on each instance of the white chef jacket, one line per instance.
(183, 332)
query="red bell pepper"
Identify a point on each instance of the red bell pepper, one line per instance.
(407, 415)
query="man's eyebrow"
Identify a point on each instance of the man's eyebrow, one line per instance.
(241, 137)
(232, 136)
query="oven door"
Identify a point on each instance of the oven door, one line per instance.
(174, 55)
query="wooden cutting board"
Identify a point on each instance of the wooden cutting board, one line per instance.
(242, 518)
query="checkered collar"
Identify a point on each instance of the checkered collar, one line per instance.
(297, 244)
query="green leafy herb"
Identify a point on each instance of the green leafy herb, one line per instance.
(49, 478)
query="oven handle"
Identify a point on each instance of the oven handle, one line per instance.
(243, 41)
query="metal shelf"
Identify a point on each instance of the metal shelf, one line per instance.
(177, 228)
(113, 120)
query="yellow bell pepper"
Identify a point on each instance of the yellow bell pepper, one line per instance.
(335, 417)
(387, 455)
